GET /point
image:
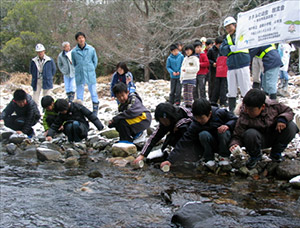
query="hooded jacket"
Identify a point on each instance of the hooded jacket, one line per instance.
(174, 64)
(65, 65)
(218, 118)
(85, 62)
(49, 70)
(76, 112)
(191, 65)
(134, 113)
(273, 113)
(184, 118)
(29, 112)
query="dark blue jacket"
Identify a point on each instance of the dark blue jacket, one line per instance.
(235, 60)
(122, 78)
(270, 60)
(219, 117)
(174, 64)
(49, 71)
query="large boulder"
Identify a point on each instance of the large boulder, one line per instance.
(123, 150)
(45, 154)
(288, 169)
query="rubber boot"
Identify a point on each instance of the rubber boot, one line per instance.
(95, 108)
(256, 85)
(273, 96)
(285, 88)
(71, 96)
(232, 103)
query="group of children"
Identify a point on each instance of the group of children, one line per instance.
(193, 134)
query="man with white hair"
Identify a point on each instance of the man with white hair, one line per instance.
(64, 63)
(42, 69)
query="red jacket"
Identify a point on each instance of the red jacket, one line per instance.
(204, 64)
(221, 71)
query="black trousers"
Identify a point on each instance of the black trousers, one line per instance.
(17, 123)
(254, 140)
(199, 89)
(219, 91)
(75, 131)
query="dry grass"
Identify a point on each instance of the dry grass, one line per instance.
(104, 79)
(18, 78)
(25, 78)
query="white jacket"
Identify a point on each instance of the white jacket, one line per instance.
(284, 51)
(191, 65)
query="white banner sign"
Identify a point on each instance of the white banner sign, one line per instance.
(272, 23)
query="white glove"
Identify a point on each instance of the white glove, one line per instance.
(233, 48)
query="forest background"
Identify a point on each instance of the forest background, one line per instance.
(138, 32)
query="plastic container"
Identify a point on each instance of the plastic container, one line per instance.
(165, 168)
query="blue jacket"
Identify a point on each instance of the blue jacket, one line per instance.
(235, 60)
(191, 137)
(122, 78)
(270, 60)
(49, 69)
(85, 62)
(174, 64)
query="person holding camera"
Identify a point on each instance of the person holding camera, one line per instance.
(122, 75)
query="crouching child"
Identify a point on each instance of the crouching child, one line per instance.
(263, 123)
(21, 114)
(133, 118)
(211, 128)
(173, 122)
(72, 117)
(50, 114)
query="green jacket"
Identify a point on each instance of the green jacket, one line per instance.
(46, 114)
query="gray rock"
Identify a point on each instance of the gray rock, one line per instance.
(71, 162)
(6, 134)
(11, 148)
(72, 153)
(17, 138)
(244, 170)
(123, 150)
(51, 146)
(45, 154)
(288, 169)
(95, 174)
(41, 138)
(80, 145)
(295, 182)
(190, 214)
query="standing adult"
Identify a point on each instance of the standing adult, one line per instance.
(238, 62)
(42, 69)
(84, 59)
(64, 63)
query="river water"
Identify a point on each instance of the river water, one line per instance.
(50, 195)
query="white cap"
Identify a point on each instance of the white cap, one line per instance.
(39, 47)
(203, 39)
(229, 20)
